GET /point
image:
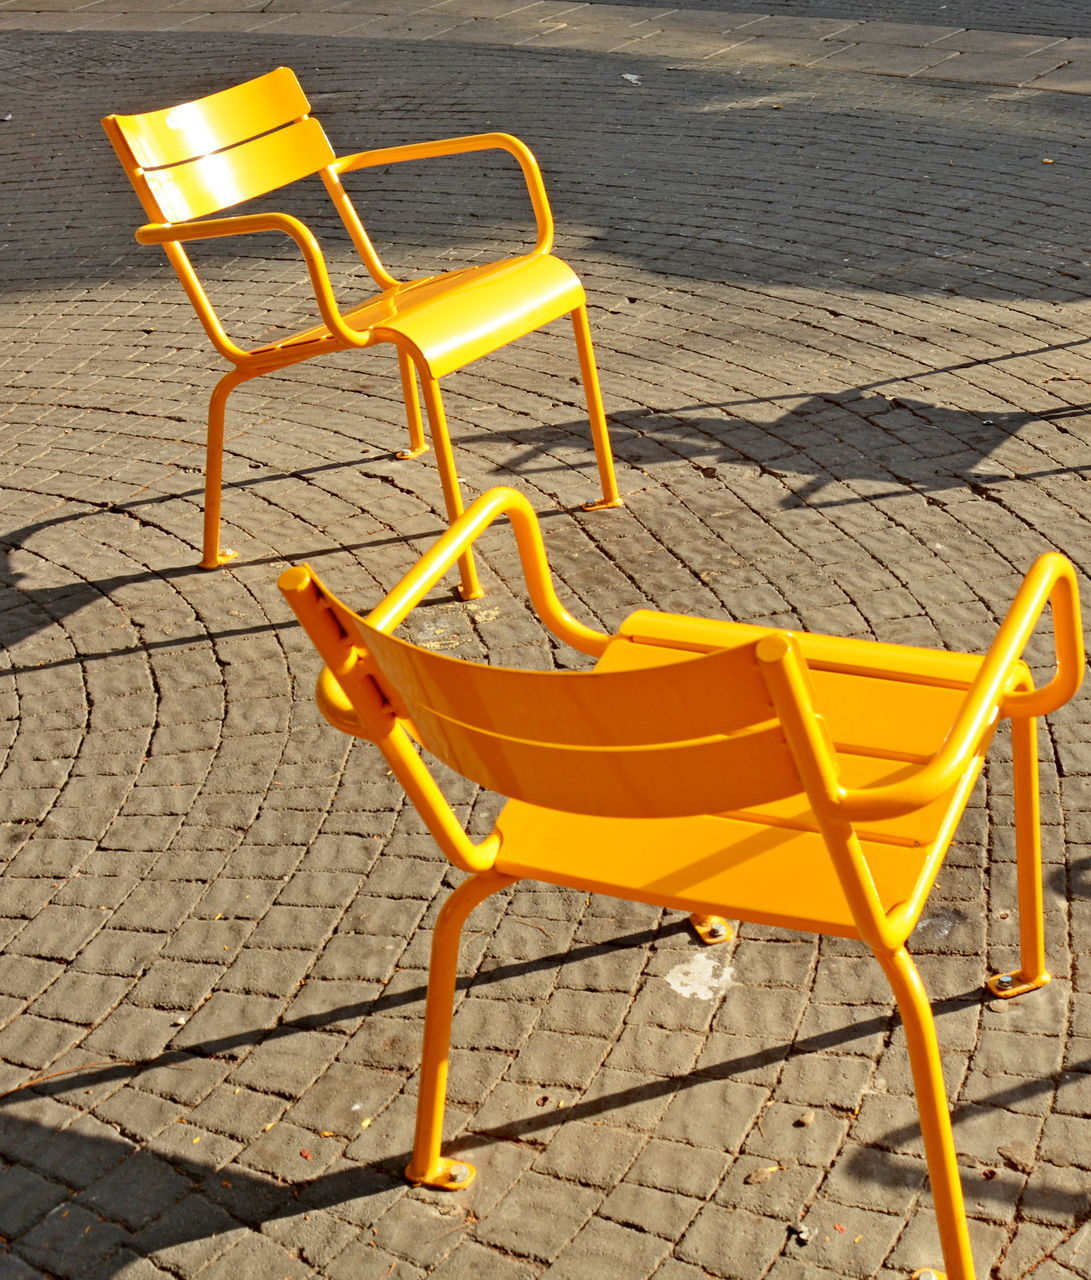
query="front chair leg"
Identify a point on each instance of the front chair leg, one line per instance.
(470, 585)
(935, 1115)
(604, 454)
(417, 443)
(213, 557)
(428, 1167)
(1032, 972)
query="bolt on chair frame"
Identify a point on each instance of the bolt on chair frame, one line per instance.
(204, 156)
(612, 762)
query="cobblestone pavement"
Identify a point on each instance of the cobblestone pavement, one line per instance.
(1056, 57)
(843, 331)
(1048, 17)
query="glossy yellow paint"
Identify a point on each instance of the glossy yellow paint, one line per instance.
(802, 781)
(200, 158)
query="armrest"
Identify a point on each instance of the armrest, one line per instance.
(465, 531)
(543, 216)
(1051, 580)
(253, 223)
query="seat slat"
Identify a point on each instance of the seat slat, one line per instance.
(502, 299)
(842, 653)
(717, 865)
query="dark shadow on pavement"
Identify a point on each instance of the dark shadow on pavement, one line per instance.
(909, 187)
(888, 446)
(122, 1200)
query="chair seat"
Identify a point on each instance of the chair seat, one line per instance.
(454, 318)
(770, 864)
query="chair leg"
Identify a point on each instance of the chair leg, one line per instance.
(417, 443)
(604, 454)
(428, 1166)
(1032, 972)
(212, 556)
(710, 929)
(935, 1114)
(470, 586)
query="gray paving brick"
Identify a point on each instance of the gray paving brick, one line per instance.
(28, 1197)
(368, 1262)
(137, 1190)
(49, 1244)
(706, 1243)
(516, 1225)
(647, 1209)
(471, 1259)
(995, 68)
(591, 1153)
(1075, 77)
(609, 1249)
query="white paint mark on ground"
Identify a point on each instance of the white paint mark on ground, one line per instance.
(941, 923)
(705, 976)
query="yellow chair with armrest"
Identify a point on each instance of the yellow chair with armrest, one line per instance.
(202, 157)
(727, 770)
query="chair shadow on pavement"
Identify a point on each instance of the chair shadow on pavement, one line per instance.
(27, 610)
(846, 447)
(91, 1201)
(858, 443)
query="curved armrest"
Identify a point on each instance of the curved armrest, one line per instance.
(253, 223)
(543, 216)
(1051, 580)
(466, 530)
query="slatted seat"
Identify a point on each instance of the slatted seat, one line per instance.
(430, 314)
(883, 729)
(807, 782)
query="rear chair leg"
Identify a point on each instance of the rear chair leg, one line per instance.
(1032, 972)
(604, 454)
(428, 1167)
(417, 443)
(470, 585)
(711, 929)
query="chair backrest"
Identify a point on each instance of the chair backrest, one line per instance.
(697, 736)
(204, 156)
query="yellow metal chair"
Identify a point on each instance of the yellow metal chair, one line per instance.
(726, 770)
(205, 156)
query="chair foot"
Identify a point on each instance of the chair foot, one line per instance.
(405, 454)
(1016, 983)
(445, 1175)
(221, 557)
(711, 929)
(929, 1273)
(472, 593)
(602, 504)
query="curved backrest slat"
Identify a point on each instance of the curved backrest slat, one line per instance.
(207, 155)
(192, 129)
(225, 178)
(698, 736)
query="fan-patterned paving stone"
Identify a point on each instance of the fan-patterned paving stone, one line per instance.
(842, 328)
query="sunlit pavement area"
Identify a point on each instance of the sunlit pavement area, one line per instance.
(841, 318)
